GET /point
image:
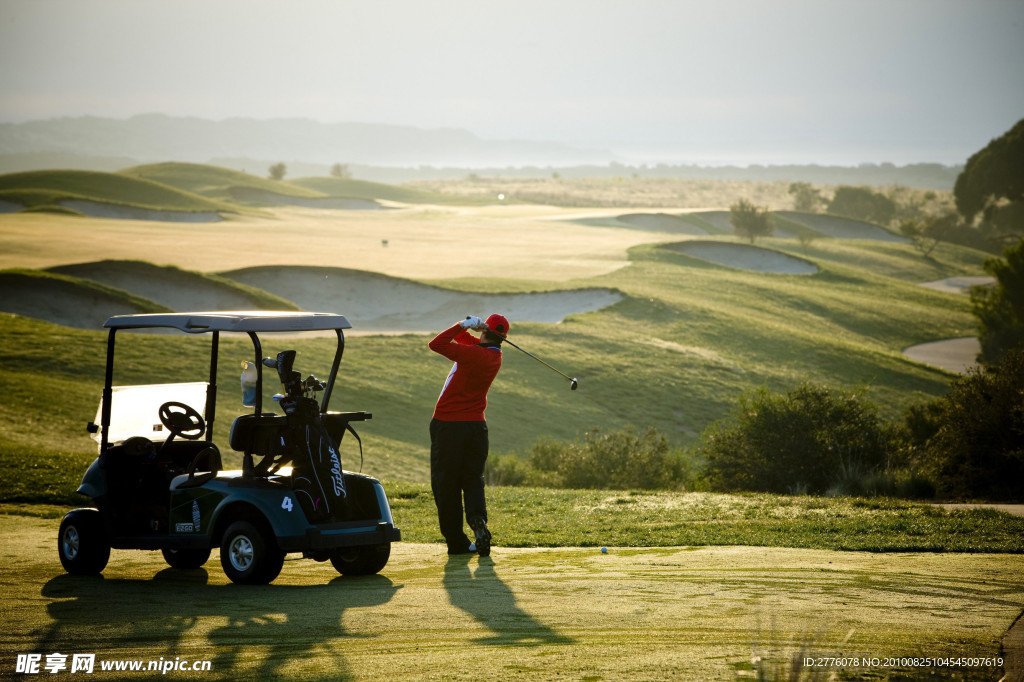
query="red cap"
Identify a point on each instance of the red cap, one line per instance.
(497, 323)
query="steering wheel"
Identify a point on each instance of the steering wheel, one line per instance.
(182, 420)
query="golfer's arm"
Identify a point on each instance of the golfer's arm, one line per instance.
(447, 342)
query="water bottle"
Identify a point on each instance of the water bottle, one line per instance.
(248, 384)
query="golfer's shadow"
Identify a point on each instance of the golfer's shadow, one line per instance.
(485, 597)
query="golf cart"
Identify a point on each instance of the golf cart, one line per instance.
(159, 482)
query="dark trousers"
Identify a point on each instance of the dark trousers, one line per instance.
(458, 452)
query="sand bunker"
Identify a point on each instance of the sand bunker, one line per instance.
(952, 355)
(662, 222)
(841, 228)
(745, 257)
(377, 303)
(959, 285)
(96, 209)
(259, 196)
(61, 302)
(170, 287)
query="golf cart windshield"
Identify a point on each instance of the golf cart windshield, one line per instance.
(135, 409)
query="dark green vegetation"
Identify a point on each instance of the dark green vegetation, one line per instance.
(993, 176)
(807, 440)
(1000, 309)
(750, 221)
(970, 441)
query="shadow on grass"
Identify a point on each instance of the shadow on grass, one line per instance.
(257, 631)
(492, 603)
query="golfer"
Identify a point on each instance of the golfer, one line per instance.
(458, 431)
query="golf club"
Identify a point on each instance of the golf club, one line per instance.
(573, 383)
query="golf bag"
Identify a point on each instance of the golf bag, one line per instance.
(317, 475)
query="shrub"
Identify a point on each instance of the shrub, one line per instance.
(971, 441)
(749, 221)
(863, 204)
(809, 440)
(617, 460)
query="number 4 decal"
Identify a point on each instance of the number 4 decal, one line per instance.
(286, 504)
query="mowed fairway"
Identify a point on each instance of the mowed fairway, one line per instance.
(687, 613)
(503, 242)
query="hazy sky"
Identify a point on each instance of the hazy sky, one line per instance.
(745, 81)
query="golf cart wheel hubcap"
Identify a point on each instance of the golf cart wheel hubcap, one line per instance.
(241, 553)
(71, 542)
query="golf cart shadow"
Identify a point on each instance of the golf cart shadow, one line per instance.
(246, 631)
(485, 596)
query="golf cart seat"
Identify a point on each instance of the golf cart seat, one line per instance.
(264, 435)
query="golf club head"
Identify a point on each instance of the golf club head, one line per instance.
(573, 384)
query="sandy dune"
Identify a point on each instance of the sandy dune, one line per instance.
(745, 257)
(176, 289)
(958, 285)
(841, 228)
(952, 355)
(662, 222)
(259, 196)
(60, 302)
(377, 303)
(96, 209)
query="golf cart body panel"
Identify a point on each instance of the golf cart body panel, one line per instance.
(175, 496)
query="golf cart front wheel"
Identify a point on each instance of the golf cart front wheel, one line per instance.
(82, 543)
(364, 560)
(247, 557)
(186, 558)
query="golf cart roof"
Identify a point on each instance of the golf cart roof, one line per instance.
(233, 321)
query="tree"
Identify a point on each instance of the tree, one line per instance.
(995, 173)
(927, 232)
(341, 170)
(277, 171)
(863, 204)
(749, 221)
(1000, 309)
(806, 198)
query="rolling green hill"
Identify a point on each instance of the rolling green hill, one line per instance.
(42, 188)
(686, 340)
(215, 182)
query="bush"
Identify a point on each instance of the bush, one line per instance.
(863, 204)
(971, 441)
(749, 221)
(617, 460)
(1000, 309)
(809, 440)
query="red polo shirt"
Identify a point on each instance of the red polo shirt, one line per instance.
(464, 396)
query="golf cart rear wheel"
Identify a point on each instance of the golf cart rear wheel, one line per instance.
(82, 543)
(247, 557)
(186, 558)
(364, 560)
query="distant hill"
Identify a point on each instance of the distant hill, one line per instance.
(381, 153)
(156, 137)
